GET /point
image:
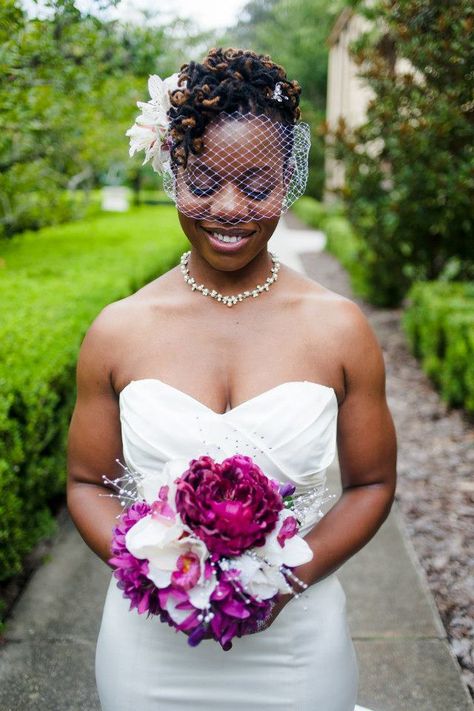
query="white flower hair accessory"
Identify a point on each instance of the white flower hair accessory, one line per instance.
(150, 131)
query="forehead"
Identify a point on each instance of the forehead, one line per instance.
(247, 141)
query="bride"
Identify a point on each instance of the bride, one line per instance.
(232, 351)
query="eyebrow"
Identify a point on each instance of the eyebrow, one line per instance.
(249, 172)
(259, 169)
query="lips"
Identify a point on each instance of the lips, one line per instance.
(226, 247)
(228, 231)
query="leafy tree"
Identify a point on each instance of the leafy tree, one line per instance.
(410, 168)
(294, 33)
(68, 90)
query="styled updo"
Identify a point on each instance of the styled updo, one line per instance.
(227, 80)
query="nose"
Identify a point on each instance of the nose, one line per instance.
(229, 204)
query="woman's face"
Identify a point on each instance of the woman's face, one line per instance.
(234, 188)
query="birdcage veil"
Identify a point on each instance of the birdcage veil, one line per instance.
(247, 166)
(257, 166)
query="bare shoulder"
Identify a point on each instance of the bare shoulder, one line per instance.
(105, 337)
(102, 341)
(366, 436)
(341, 316)
(107, 340)
(348, 338)
(116, 319)
(110, 323)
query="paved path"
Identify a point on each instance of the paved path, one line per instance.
(47, 660)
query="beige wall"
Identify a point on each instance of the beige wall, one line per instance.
(347, 95)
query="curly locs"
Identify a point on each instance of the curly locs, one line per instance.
(227, 80)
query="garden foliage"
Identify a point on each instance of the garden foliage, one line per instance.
(52, 285)
(409, 170)
(341, 239)
(439, 324)
(69, 83)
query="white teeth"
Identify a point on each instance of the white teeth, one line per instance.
(224, 238)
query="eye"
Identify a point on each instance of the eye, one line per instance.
(258, 186)
(201, 180)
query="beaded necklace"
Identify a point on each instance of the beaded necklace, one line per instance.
(231, 299)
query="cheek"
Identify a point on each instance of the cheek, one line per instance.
(271, 207)
(187, 225)
(193, 205)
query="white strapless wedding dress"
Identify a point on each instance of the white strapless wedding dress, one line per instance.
(305, 660)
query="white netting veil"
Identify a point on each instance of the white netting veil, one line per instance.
(250, 167)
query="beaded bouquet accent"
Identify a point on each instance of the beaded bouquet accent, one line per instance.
(209, 546)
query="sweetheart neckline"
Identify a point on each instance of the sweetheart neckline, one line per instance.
(237, 407)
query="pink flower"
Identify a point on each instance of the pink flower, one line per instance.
(231, 506)
(289, 528)
(160, 509)
(188, 571)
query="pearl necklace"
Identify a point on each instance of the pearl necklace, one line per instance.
(231, 299)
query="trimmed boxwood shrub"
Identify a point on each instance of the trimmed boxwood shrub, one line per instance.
(311, 211)
(52, 285)
(439, 324)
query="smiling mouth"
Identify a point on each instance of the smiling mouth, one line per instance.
(224, 234)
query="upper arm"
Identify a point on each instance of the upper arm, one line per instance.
(94, 439)
(366, 437)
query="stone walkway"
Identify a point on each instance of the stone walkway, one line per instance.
(47, 658)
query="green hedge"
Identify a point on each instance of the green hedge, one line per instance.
(439, 324)
(315, 213)
(341, 240)
(440, 321)
(52, 285)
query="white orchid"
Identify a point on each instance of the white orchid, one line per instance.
(158, 537)
(150, 130)
(152, 536)
(158, 540)
(260, 573)
(259, 579)
(149, 486)
(295, 550)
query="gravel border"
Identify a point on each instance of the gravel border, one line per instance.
(435, 488)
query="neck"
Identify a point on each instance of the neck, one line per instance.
(231, 281)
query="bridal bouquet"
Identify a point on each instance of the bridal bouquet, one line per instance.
(208, 546)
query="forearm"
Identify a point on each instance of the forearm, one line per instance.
(345, 529)
(94, 516)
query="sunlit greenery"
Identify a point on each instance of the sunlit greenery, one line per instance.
(52, 285)
(68, 90)
(410, 168)
(294, 33)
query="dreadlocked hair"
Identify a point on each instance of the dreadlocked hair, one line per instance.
(227, 80)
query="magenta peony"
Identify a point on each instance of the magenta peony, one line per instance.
(231, 505)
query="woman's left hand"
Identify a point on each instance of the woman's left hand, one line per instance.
(280, 603)
(278, 606)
